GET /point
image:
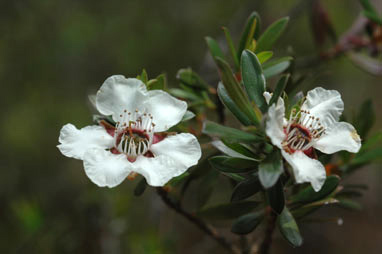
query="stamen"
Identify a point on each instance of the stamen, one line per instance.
(302, 130)
(134, 134)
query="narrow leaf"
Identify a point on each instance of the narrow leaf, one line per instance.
(246, 189)
(190, 78)
(217, 130)
(270, 169)
(159, 83)
(372, 16)
(365, 119)
(254, 17)
(243, 149)
(349, 204)
(312, 207)
(231, 105)
(308, 195)
(231, 47)
(214, 48)
(143, 77)
(247, 223)
(180, 93)
(238, 153)
(264, 56)
(232, 165)
(288, 228)
(368, 6)
(253, 79)
(279, 89)
(235, 91)
(188, 116)
(369, 156)
(271, 34)
(227, 211)
(276, 197)
(276, 66)
(206, 186)
(141, 187)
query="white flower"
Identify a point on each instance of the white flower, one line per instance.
(134, 145)
(314, 126)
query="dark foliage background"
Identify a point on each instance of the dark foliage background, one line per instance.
(54, 53)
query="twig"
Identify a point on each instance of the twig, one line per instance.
(198, 222)
(271, 224)
(349, 41)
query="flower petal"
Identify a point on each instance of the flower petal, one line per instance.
(275, 121)
(267, 96)
(183, 148)
(158, 170)
(339, 136)
(165, 109)
(106, 169)
(173, 156)
(306, 169)
(118, 94)
(74, 142)
(326, 105)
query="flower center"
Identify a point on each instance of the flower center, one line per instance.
(134, 134)
(301, 132)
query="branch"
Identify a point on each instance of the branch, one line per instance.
(349, 41)
(271, 224)
(196, 221)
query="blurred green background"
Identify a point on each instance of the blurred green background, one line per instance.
(54, 53)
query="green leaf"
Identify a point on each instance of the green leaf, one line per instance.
(247, 223)
(254, 17)
(365, 119)
(190, 78)
(368, 6)
(141, 187)
(234, 176)
(302, 211)
(246, 189)
(233, 150)
(217, 130)
(232, 165)
(178, 180)
(231, 47)
(159, 83)
(271, 34)
(270, 169)
(230, 104)
(235, 92)
(349, 204)
(372, 16)
(243, 149)
(253, 79)
(206, 186)
(276, 197)
(188, 116)
(279, 89)
(214, 48)
(288, 228)
(308, 195)
(368, 156)
(143, 77)
(276, 66)
(180, 93)
(264, 56)
(371, 142)
(227, 211)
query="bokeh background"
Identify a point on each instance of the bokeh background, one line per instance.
(54, 53)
